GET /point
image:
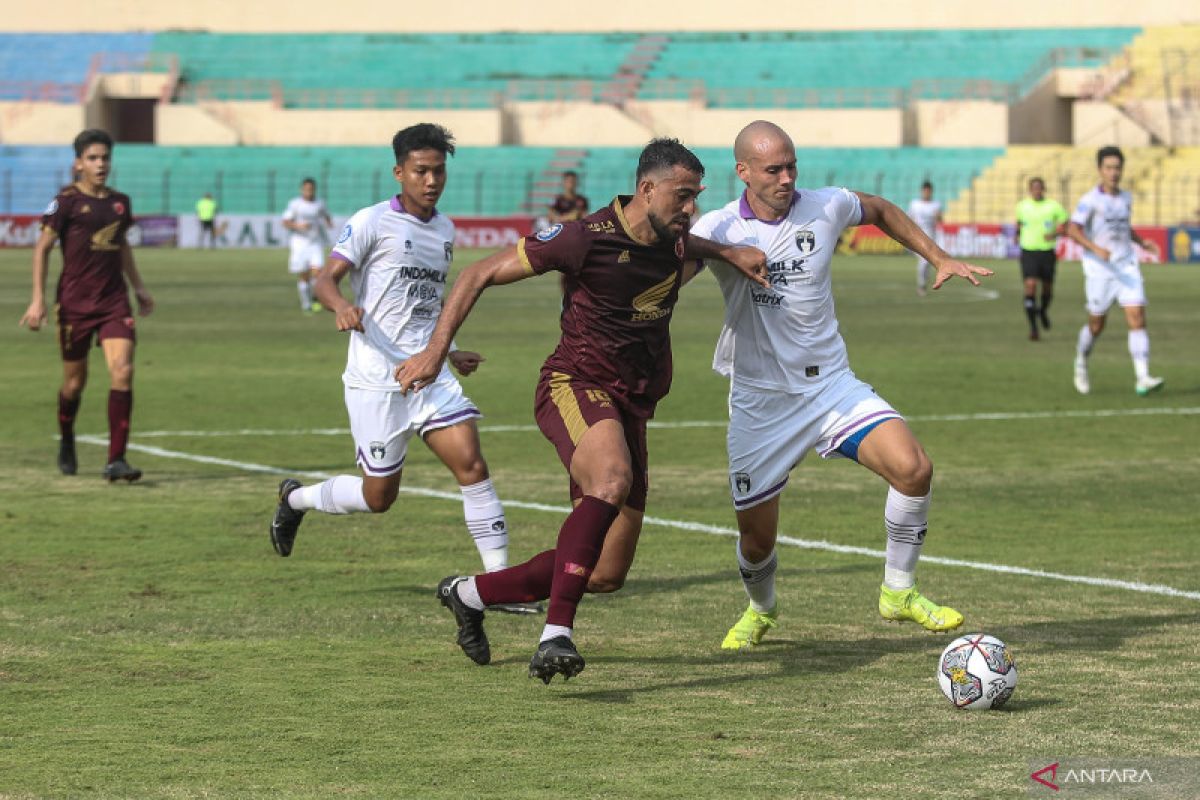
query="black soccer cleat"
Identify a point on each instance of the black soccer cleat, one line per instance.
(526, 609)
(286, 521)
(471, 637)
(120, 470)
(67, 464)
(556, 656)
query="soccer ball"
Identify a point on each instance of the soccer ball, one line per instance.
(977, 671)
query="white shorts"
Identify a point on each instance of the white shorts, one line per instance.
(383, 422)
(1122, 283)
(770, 432)
(305, 256)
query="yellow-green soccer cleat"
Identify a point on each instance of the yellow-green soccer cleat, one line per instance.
(750, 629)
(900, 605)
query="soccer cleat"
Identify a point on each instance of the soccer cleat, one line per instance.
(67, 464)
(120, 470)
(519, 608)
(1034, 335)
(471, 637)
(556, 656)
(1082, 384)
(750, 629)
(1145, 386)
(909, 605)
(286, 521)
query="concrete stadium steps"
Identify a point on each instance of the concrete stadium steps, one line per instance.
(1158, 57)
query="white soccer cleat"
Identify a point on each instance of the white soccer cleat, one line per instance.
(1145, 386)
(1082, 384)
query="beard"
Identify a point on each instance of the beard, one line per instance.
(661, 227)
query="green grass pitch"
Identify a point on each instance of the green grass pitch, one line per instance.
(153, 646)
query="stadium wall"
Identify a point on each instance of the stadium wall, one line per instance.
(23, 122)
(554, 16)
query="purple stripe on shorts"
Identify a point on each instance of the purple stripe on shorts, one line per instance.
(442, 422)
(761, 496)
(836, 440)
(388, 470)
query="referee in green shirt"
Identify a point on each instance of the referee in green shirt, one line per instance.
(1039, 223)
(206, 211)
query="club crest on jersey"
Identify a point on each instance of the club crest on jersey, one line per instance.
(741, 482)
(119, 207)
(50, 209)
(550, 233)
(449, 248)
(378, 451)
(806, 241)
(346, 231)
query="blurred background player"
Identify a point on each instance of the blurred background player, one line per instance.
(791, 387)
(206, 212)
(398, 254)
(1102, 225)
(569, 205)
(1039, 223)
(927, 213)
(91, 219)
(304, 217)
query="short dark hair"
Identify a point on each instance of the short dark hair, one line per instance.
(927, 185)
(1037, 179)
(571, 174)
(90, 137)
(423, 136)
(313, 181)
(1111, 150)
(664, 154)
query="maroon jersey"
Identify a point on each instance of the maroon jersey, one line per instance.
(92, 230)
(570, 208)
(618, 296)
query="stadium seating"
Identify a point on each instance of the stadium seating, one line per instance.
(1158, 54)
(928, 63)
(55, 66)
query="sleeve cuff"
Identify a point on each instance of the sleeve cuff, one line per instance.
(521, 254)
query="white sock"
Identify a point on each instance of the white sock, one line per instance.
(468, 592)
(551, 631)
(305, 294)
(1083, 348)
(486, 522)
(759, 580)
(340, 495)
(922, 274)
(1139, 351)
(906, 519)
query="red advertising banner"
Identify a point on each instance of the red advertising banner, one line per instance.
(985, 240)
(490, 232)
(19, 230)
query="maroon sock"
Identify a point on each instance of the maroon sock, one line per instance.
(524, 583)
(67, 409)
(120, 407)
(579, 543)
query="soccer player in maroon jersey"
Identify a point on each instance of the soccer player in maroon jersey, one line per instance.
(623, 267)
(570, 205)
(92, 301)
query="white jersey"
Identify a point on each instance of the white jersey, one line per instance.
(1106, 220)
(399, 278)
(925, 213)
(308, 212)
(784, 338)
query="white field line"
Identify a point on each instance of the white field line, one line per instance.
(697, 527)
(992, 416)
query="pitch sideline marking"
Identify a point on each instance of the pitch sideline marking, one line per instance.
(697, 527)
(992, 416)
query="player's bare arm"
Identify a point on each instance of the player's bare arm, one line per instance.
(495, 270)
(129, 268)
(750, 261)
(888, 217)
(1075, 232)
(35, 315)
(1145, 244)
(347, 316)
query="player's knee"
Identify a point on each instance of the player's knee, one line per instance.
(380, 500)
(605, 583)
(72, 388)
(613, 486)
(473, 471)
(914, 475)
(121, 375)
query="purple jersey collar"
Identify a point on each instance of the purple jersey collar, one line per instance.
(748, 213)
(397, 205)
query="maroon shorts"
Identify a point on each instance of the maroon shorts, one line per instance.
(75, 334)
(565, 407)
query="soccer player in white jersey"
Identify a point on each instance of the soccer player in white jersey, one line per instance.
(397, 254)
(1102, 225)
(304, 217)
(927, 213)
(791, 388)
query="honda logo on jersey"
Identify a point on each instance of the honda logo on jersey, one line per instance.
(806, 241)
